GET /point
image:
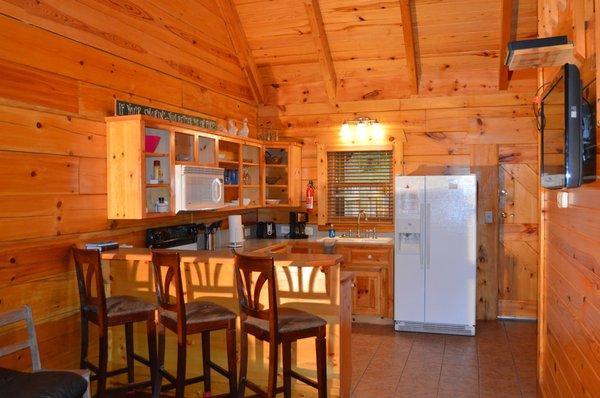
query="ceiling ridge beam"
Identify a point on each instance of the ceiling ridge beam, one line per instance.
(242, 48)
(317, 27)
(505, 34)
(409, 46)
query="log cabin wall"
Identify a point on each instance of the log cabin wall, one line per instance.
(62, 65)
(448, 118)
(569, 362)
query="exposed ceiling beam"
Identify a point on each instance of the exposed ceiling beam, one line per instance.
(315, 18)
(409, 46)
(242, 48)
(505, 34)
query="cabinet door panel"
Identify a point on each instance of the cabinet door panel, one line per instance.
(366, 296)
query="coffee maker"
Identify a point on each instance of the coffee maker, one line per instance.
(298, 220)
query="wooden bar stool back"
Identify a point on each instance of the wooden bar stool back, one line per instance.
(186, 319)
(274, 325)
(112, 311)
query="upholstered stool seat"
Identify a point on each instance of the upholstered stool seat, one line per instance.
(290, 320)
(129, 306)
(47, 384)
(201, 312)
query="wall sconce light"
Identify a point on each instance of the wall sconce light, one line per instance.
(362, 129)
(562, 199)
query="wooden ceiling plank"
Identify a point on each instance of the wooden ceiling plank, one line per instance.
(505, 33)
(409, 46)
(315, 18)
(242, 48)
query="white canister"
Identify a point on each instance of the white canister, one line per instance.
(236, 231)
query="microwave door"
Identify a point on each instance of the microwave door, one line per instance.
(216, 190)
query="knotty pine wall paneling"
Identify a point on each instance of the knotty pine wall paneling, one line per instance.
(569, 361)
(444, 135)
(62, 65)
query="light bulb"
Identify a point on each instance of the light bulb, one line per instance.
(346, 132)
(377, 132)
(361, 130)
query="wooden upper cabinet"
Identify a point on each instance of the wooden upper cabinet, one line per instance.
(283, 176)
(142, 153)
(139, 169)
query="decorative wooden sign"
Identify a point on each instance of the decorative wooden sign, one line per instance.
(123, 108)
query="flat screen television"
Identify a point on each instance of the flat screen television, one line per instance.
(568, 143)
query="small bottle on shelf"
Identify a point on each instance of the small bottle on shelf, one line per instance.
(161, 206)
(331, 232)
(158, 175)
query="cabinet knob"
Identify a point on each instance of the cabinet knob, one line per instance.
(370, 256)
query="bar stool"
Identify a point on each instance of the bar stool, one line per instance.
(112, 311)
(190, 318)
(275, 325)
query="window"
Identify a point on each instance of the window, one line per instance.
(360, 180)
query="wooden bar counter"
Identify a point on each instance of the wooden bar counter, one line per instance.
(313, 283)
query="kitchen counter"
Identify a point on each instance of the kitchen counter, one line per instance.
(314, 283)
(202, 256)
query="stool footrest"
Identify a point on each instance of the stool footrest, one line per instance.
(141, 359)
(167, 375)
(304, 379)
(260, 392)
(219, 369)
(132, 386)
(111, 373)
(172, 384)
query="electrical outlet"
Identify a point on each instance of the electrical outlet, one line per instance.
(309, 231)
(489, 217)
(285, 229)
(247, 232)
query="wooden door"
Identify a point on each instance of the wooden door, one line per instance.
(366, 296)
(518, 250)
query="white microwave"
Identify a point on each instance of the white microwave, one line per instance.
(198, 188)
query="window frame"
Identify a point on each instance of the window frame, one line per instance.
(323, 199)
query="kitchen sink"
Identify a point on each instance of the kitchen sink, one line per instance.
(381, 240)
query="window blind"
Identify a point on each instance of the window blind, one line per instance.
(360, 180)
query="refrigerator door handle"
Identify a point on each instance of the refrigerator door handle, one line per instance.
(428, 234)
(422, 238)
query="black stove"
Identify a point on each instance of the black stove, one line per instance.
(166, 237)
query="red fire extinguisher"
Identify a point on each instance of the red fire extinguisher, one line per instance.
(310, 196)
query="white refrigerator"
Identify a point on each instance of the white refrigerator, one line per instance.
(435, 254)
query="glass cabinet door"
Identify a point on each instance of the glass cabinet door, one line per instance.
(207, 151)
(184, 147)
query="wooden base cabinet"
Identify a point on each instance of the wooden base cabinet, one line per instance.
(373, 269)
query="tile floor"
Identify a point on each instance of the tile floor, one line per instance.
(499, 362)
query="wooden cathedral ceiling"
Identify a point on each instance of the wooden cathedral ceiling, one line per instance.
(350, 50)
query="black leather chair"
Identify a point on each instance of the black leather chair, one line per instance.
(47, 384)
(39, 383)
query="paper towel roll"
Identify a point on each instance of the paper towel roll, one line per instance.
(236, 231)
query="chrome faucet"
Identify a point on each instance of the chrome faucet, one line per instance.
(361, 212)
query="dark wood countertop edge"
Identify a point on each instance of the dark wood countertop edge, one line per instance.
(191, 256)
